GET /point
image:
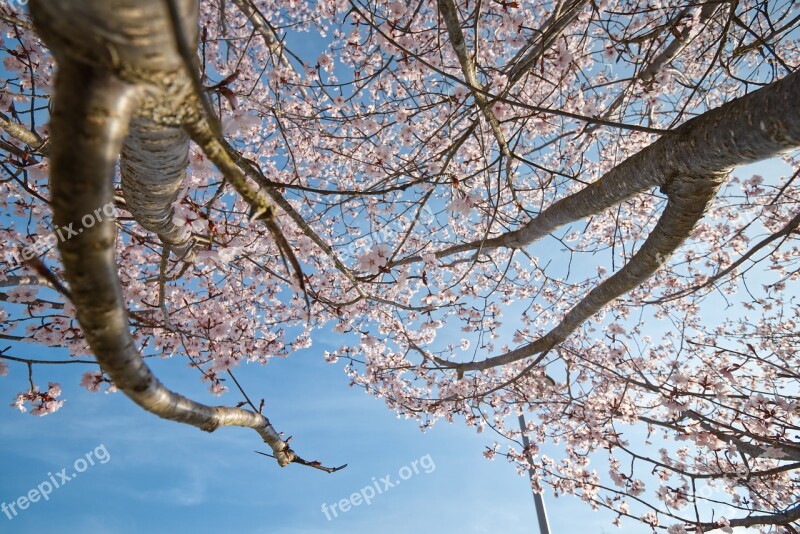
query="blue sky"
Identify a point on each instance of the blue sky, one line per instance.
(165, 477)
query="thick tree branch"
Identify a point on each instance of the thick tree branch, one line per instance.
(685, 208)
(757, 126)
(95, 98)
(789, 228)
(689, 168)
(153, 168)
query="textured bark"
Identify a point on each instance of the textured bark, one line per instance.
(134, 40)
(153, 167)
(116, 59)
(757, 126)
(689, 166)
(685, 208)
(20, 133)
(131, 38)
(156, 152)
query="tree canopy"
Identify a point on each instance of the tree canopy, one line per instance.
(498, 207)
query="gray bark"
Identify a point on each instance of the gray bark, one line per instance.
(117, 59)
(757, 126)
(153, 167)
(689, 166)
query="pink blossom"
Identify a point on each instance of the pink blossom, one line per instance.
(325, 62)
(23, 294)
(217, 389)
(41, 403)
(92, 380)
(373, 261)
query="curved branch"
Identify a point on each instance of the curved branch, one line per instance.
(784, 232)
(96, 95)
(689, 178)
(684, 209)
(757, 126)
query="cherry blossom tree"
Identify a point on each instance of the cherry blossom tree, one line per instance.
(503, 208)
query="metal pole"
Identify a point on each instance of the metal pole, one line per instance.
(541, 513)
